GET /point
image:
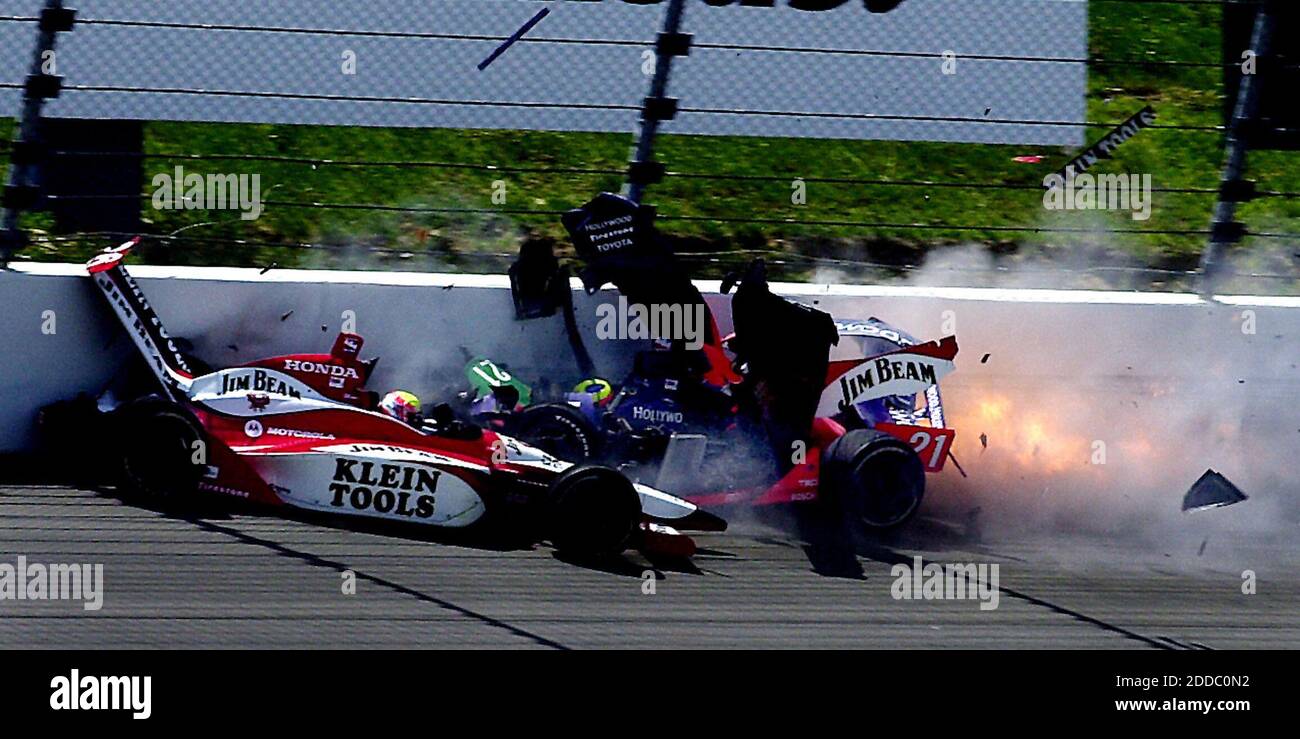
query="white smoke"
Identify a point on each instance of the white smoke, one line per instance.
(1098, 427)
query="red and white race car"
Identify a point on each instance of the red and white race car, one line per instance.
(767, 416)
(301, 431)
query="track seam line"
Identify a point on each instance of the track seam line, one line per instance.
(1041, 603)
(318, 561)
(1085, 618)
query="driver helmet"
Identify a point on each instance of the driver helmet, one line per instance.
(882, 410)
(402, 405)
(600, 390)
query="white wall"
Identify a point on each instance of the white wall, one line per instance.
(418, 322)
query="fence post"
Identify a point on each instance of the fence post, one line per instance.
(1224, 230)
(22, 190)
(643, 170)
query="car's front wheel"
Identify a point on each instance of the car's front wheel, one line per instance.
(593, 511)
(162, 453)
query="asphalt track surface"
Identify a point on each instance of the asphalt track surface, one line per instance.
(216, 577)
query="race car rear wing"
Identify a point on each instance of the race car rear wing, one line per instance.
(617, 241)
(905, 371)
(140, 321)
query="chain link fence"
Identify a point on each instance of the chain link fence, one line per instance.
(379, 142)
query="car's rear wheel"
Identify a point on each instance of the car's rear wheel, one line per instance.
(161, 449)
(877, 480)
(559, 430)
(593, 511)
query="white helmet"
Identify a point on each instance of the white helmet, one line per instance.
(402, 405)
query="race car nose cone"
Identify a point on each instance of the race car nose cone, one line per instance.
(701, 520)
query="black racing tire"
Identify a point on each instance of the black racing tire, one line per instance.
(156, 445)
(559, 430)
(592, 511)
(75, 424)
(876, 480)
(64, 423)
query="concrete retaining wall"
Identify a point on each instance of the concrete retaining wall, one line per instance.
(419, 323)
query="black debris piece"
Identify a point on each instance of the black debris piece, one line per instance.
(957, 464)
(1212, 490)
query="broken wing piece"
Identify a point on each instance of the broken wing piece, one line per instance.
(1212, 490)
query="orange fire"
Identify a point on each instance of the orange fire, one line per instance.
(1030, 438)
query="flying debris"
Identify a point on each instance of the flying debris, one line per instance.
(1211, 491)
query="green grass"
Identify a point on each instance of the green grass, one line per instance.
(1180, 95)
